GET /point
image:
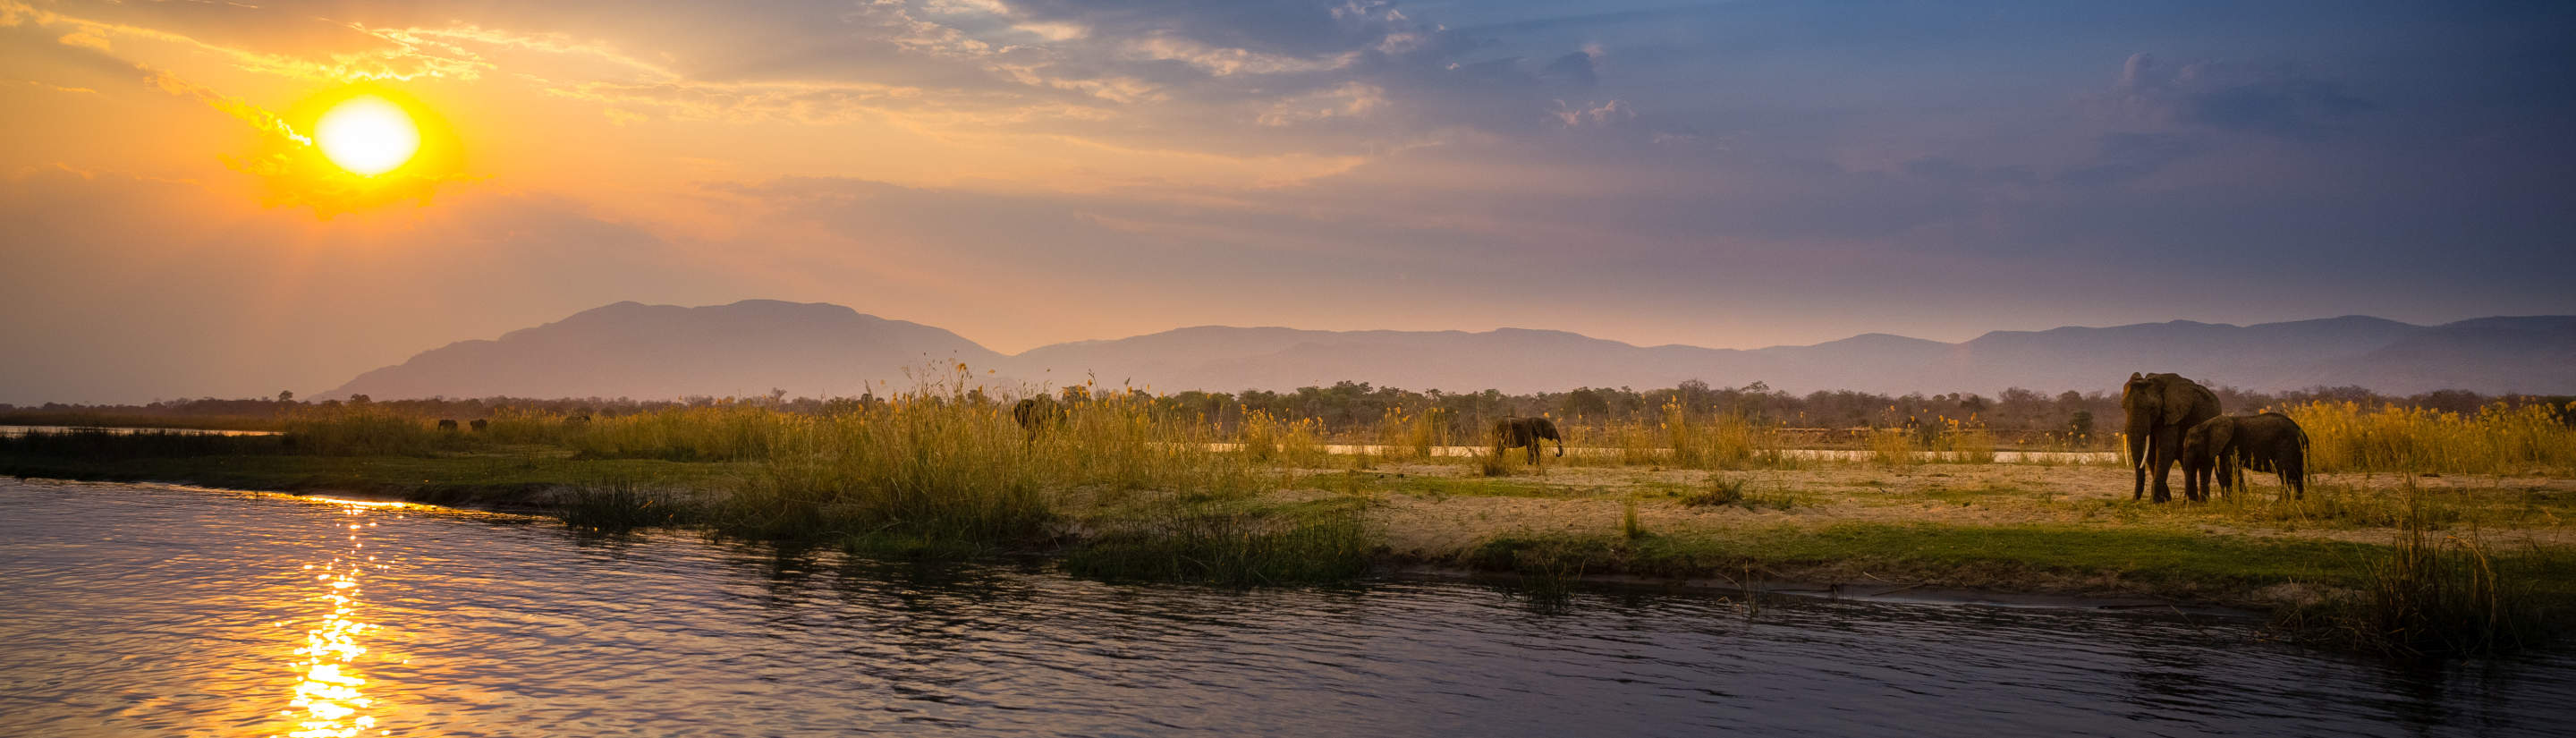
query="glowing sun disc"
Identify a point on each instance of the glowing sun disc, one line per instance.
(367, 136)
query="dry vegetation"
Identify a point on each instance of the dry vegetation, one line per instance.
(2438, 531)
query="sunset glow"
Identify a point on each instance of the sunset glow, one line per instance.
(1287, 367)
(368, 179)
(367, 135)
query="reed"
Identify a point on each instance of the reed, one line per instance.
(2498, 439)
(1892, 447)
(622, 506)
(2435, 595)
(1268, 438)
(1960, 444)
(1403, 435)
(359, 430)
(94, 444)
(1629, 526)
(724, 431)
(113, 419)
(1720, 440)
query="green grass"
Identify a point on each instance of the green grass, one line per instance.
(1722, 490)
(1968, 495)
(1433, 486)
(622, 506)
(1128, 492)
(2148, 561)
(1229, 544)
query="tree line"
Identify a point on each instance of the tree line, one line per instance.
(1354, 407)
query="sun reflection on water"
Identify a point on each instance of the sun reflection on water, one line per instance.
(327, 700)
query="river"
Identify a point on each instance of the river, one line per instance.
(158, 610)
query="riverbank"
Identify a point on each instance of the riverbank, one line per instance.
(2058, 531)
(203, 596)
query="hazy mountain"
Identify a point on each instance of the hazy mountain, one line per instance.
(814, 349)
(662, 351)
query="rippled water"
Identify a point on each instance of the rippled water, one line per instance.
(142, 610)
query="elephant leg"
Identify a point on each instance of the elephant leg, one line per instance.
(2294, 472)
(2164, 458)
(2225, 473)
(2195, 483)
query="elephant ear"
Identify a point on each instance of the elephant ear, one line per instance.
(2179, 397)
(2222, 431)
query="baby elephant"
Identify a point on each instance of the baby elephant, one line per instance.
(2268, 442)
(447, 424)
(479, 425)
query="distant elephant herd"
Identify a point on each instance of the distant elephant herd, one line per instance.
(2174, 419)
(2170, 419)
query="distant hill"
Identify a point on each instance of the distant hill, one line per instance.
(750, 347)
(664, 351)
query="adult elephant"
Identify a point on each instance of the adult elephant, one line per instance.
(1036, 414)
(1511, 433)
(2160, 408)
(2269, 442)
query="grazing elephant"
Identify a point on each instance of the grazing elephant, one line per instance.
(1036, 414)
(479, 424)
(2268, 442)
(1511, 433)
(2161, 407)
(448, 424)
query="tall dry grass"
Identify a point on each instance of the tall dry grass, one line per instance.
(2498, 439)
(1411, 435)
(2436, 594)
(1719, 440)
(945, 465)
(726, 431)
(1267, 438)
(360, 430)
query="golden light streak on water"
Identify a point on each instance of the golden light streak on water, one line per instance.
(327, 700)
(362, 503)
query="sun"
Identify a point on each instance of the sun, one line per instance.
(367, 135)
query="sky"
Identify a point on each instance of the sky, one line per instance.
(1024, 172)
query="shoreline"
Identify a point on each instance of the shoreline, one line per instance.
(1400, 568)
(1996, 582)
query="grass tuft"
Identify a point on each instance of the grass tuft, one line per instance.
(2432, 595)
(1226, 547)
(621, 506)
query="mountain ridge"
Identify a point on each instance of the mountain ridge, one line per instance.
(632, 349)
